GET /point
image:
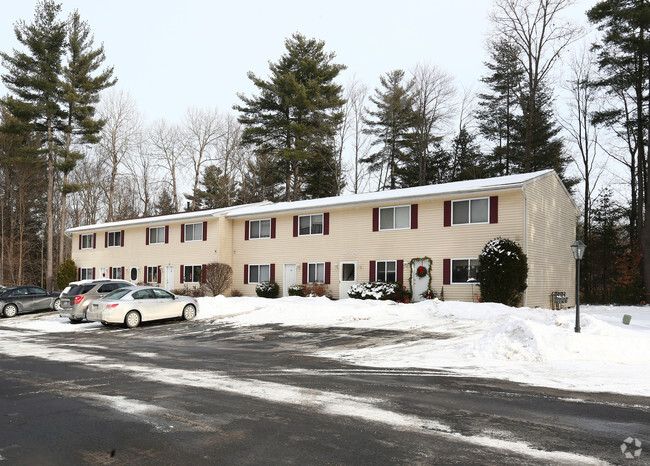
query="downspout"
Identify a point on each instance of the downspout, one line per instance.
(523, 191)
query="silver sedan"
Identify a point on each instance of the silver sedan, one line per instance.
(133, 305)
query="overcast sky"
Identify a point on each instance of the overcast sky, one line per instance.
(172, 55)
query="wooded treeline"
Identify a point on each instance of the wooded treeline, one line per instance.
(74, 150)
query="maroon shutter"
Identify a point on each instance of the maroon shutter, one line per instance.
(246, 273)
(400, 271)
(159, 273)
(146, 241)
(166, 234)
(272, 272)
(446, 271)
(295, 225)
(79, 273)
(371, 276)
(203, 273)
(304, 272)
(246, 230)
(122, 270)
(182, 234)
(94, 240)
(182, 274)
(328, 270)
(105, 239)
(205, 231)
(326, 223)
(93, 273)
(375, 219)
(273, 227)
(414, 216)
(79, 241)
(110, 272)
(494, 209)
(122, 238)
(447, 213)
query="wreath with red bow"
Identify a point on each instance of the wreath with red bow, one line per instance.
(421, 271)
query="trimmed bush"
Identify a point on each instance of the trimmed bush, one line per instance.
(502, 272)
(67, 273)
(296, 290)
(267, 290)
(379, 290)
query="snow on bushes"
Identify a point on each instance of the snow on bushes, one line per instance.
(267, 290)
(377, 290)
(502, 272)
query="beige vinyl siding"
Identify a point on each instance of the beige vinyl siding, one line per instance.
(551, 231)
(351, 239)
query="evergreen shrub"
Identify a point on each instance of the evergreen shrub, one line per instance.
(502, 272)
(67, 273)
(267, 289)
(379, 290)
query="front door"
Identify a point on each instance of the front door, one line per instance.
(169, 277)
(289, 278)
(348, 278)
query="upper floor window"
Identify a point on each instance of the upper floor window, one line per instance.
(386, 271)
(316, 272)
(463, 270)
(157, 235)
(259, 229)
(470, 211)
(88, 241)
(395, 218)
(114, 239)
(310, 224)
(193, 232)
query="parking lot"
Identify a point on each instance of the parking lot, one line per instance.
(179, 392)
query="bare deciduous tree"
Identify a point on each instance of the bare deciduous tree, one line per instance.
(218, 277)
(140, 167)
(231, 154)
(169, 148)
(356, 97)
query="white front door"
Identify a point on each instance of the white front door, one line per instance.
(289, 278)
(133, 275)
(103, 273)
(347, 278)
(169, 277)
(420, 284)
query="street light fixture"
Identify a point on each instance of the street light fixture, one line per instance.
(578, 249)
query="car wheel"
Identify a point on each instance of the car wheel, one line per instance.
(74, 320)
(189, 312)
(10, 310)
(105, 324)
(57, 305)
(132, 319)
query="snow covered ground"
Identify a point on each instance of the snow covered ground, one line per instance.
(531, 346)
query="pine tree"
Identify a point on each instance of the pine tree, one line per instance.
(467, 161)
(216, 190)
(296, 114)
(391, 124)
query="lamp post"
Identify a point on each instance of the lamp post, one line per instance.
(578, 249)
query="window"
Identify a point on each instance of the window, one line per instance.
(191, 273)
(193, 232)
(386, 271)
(395, 218)
(87, 241)
(108, 287)
(259, 229)
(157, 235)
(86, 273)
(116, 272)
(259, 273)
(316, 272)
(310, 224)
(143, 294)
(348, 272)
(470, 211)
(162, 294)
(152, 274)
(463, 270)
(114, 239)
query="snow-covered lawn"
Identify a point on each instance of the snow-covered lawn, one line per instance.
(531, 346)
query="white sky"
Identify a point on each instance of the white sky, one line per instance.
(172, 55)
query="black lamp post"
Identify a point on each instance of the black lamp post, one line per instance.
(578, 249)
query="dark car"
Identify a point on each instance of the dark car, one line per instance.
(78, 295)
(19, 299)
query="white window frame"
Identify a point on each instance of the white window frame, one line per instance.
(116, 271)
(111, 239)
(259, 272)
(468, 260)
(259, 228)
(394, 262)
(311, 224)
(158, 236)
(469, 213)
(194, 235)
(85, 273)
(153, 270)
(87, 241)
(385, 209)
(192, 267)
(315, 267)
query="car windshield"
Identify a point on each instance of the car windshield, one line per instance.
(118, 294)
(80, 289)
